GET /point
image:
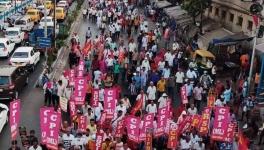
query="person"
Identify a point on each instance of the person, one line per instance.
(151, 108)
(67, 138)
(88, 34)
(161, 86)
(126, 101)
(47, 93)
(197, 94)
(84, 12)
(151, 91)
(179, 79)
(192, 110)
(14, 145)
(35, 145)
(78, 141)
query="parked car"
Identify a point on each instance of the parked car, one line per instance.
(15, 34)
(25, 56)
(63, 3)
(5, 5)
(49, 4)
(12, 81)
(25, 23)
(3, 116)
(60, 13)
(6, 47)
(41, 8)
(50, 22)
(34, 14)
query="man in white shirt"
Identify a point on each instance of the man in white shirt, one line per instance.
(97, 111)
(142, 96)
(121, 107)
(35, 145)
(109, 63)
(97, 75)
(161, 65)
(192, 110)
(78, 141)
(145, 63)
(163, 100)
(151, 108)
(151, 91)
(132, 46)
(179, 79)
(191, 74)
(67, 138)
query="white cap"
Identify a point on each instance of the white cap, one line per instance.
(164, 95)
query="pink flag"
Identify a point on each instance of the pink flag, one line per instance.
(119, 128)
(132, 125)
(185, 125)
(99, 140)
(230, 131)
(72, 108)
(184, 95)
(14, 117)
(110, 102)
(80, 69)
(163, 115)
(52, 130)
(44, 122)
(95, 98)
(147, 124)
(71, 77)
(102, 118)
(82, 123)
(80, 90)
(220, 123)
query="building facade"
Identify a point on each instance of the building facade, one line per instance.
(233, 15)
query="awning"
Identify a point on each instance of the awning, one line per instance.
(231, 39)
(205, 53)
(181, 16)
(162, 4)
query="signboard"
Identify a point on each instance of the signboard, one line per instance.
(44, 42)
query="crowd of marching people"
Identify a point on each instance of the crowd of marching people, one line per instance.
(140, 58)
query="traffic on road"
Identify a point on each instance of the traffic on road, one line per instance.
(128, 80)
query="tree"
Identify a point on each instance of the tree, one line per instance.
(196, 8)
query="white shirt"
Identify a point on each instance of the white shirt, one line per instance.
(97, 111)
(219, 103)
(109, 62)
(122, 108)
(61, 89)
(132, 47)
(32, 148)
(179, 77)
(185, 144)
(145, 63)
(67, 140)
(78, 141)
(192, 111)
(161, 65)
(151, 108)
(162, 102)
(191, 74)
(151, 91)
(97, 74)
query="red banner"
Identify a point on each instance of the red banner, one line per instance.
(80, 69)
(242, 142)
(82, 123)
(72, 108)
(87, 47)
(196, 121)
(185, 125)
(230, 132)
(80, 90)
(205, 121)
(99, 140)
(220, 123)
(95, 98)
(72, 77)
(43, 112)
(132, 125)
(53, 124)
(102, 118)
(137, 107)
(210, 101)
(163, 115)
(173, 136)
(148, 140)
(119, 128)
(184, 95)
(110, 102)
(147, 124)
(14, 117)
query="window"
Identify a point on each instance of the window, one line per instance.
(210, 9)
(217, 11)
(240, 21)
(231, 17)
(223, 14)
(250, 25)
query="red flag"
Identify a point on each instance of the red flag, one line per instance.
(243, 142)
(256, 20)
(137, 107)
(87, 47)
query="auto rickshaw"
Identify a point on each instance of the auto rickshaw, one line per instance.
(202, 56)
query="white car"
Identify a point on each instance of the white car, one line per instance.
(25, 56)
(50, 22)
(5, 5)
(24, 23)
(15, 34)
(41, 8)
(3, 116)
(63, 4)
(6, 47)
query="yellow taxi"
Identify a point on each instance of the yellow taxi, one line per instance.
(49, 4)
(60, 13)
(34, 14)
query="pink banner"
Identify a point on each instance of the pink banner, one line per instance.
(185, 125)
(53, 127)
(44, 111)
(110, 102)
(119, 128)
(80, 90)
(102, 118)
(80, 69)
(220, 123)
(72, 108)
(230, 131)
(132, 125)
(173, 136)
(95, 98)
(205, 121)
(162, 117)
(99, 140)
(147, 124)
(14, 117)
(82, 123)
(184, 95)
(71, 77)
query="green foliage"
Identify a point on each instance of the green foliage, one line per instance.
(196, 7)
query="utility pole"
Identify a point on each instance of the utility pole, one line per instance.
(45, 31)
(54, 26)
